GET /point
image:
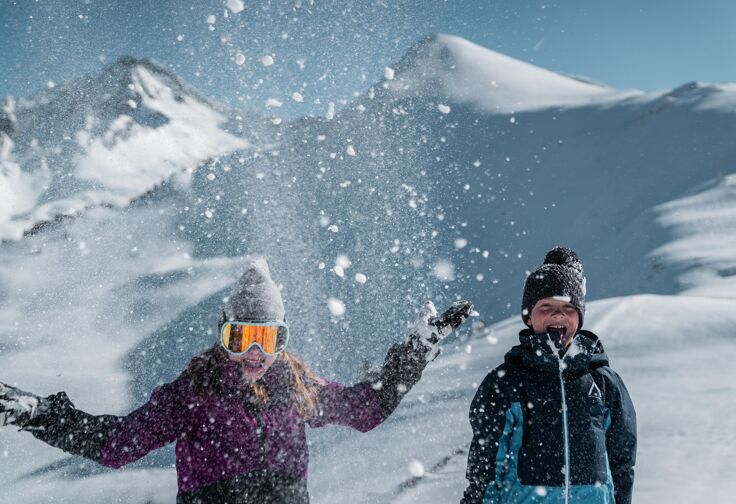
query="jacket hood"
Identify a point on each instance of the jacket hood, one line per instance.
(541, 352)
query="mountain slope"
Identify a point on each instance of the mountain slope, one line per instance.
(102, 140)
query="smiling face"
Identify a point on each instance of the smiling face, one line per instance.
(555, 315)
(253, 363)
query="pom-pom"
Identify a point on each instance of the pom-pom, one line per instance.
(564, 257)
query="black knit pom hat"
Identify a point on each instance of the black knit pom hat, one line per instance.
(560, 275)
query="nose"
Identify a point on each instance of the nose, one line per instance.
(253, 351)
(559, 313)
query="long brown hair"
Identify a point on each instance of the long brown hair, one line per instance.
(204, 372)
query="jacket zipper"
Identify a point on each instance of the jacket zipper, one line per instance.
(566, 436)
(565, 429)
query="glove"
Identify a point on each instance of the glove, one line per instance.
(18, 407)
(430, 329)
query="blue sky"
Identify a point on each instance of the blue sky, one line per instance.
(345, 45)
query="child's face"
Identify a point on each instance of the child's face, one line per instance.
(558, 315)
(253, 363)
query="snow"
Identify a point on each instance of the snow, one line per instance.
(240, 58)
(127, 160)
(235, 6)
(149, 231)
(336, 307)
(267, 60)
(446, 65)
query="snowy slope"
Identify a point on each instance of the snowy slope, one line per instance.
(473, 75)
(101, 141)
(429, 186)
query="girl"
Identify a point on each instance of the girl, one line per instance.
(238, 411)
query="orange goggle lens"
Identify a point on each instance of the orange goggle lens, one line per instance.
(238, 337)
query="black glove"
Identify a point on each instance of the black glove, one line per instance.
(18, 407)
(430, 328)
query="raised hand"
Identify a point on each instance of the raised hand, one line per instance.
(18, 407)
(430, 328)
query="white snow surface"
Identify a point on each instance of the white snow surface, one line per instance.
(473, 75)
(123, 231)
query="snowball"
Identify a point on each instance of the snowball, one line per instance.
(476, 163)
(541, 491)
(235, 6)
(267, 60)
(339, 271)
(211, 19)
(361, 278)
(389, 73)
(297, 97)
(416, 468)
(132, 104)
(273, 102)
(460, 243)
(336, 307)
(239, 59)
(445, 109)
(444, 270)
(343, 261)
(210, 176)
(350, 150)
(333, 228)
(330, 111)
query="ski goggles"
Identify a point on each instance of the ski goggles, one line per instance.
(271, 336)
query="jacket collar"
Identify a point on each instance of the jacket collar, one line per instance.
(541, 352)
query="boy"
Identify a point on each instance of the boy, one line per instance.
(553, 423)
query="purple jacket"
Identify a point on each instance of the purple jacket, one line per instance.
(220, 437)
(227, 448)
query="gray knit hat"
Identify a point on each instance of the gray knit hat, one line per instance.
(561, 275)
(255, 296)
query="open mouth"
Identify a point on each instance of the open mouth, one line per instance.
(559, 329)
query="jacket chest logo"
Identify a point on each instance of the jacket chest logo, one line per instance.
(595, 391)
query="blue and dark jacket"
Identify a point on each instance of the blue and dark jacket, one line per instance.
(552, 427)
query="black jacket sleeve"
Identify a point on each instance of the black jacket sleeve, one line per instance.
(621, 436)
(72, 430)
(488, 420)
(401, 370)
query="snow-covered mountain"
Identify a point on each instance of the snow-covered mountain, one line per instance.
(101, 141)
(451, 177)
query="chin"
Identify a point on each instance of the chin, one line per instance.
(253, 376)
